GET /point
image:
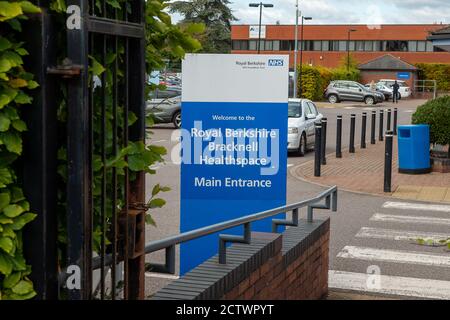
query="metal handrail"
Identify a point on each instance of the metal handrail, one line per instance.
(169, 243)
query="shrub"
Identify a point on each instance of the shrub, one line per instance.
(435, 71)
(311, 83)
(435, 113)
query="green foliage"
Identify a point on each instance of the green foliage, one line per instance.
(316, 79)
(215, 15)
(14, 209)
(435, 113)
(435, 71)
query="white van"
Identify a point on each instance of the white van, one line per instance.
(403, 92)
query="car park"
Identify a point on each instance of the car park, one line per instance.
(343, 90)
(387, 92)
(165, 106)
(403, 92)
(302, 114)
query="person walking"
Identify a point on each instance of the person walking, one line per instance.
(395, 88)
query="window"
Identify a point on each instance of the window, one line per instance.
(310, 109)
(376, 45)
(352, 45)
(342, 45)
(240, 45)
(284, 45)
(421, 46)
(359, 45)
(276, 45)
(294, 110)
(412, 46)
(334, 45)
(326, 45)
(368, 46)
(261, 45)
(252, 45)
(268, 45)
(317, 45)
(429, 46)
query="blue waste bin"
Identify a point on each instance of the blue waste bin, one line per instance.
(414, 149)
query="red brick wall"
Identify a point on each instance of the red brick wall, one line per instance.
(304, 278)
(368, 76)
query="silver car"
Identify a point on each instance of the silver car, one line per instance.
(351, 91)
(302, 114)
(165, 106)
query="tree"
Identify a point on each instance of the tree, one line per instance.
(215, 15)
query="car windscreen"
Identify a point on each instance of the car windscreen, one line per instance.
(294, 110)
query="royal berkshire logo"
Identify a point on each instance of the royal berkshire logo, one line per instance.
(275, 62)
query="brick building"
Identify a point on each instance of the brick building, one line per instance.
(326, 45)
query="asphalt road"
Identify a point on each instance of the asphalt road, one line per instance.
(355, 210)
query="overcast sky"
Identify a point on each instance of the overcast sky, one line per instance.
(371, 12)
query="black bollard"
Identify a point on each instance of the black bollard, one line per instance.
(351, 148)
(363, 130)
(389, 117)
(317, 144)
(372, 129)
(381, 129)
(339, 137)
(395, 121)
(323, 146)
(388, 162)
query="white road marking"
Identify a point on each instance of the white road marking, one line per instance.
(416, 206)
(390, 285)
(369, 109)
(348, 108)
(161, 275)
(289, 165)
(409, 219)
(395, 256)
(399, 235)
(159, 141)
(409, 111)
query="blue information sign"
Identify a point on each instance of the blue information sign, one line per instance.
(233, 141)
(403, 75)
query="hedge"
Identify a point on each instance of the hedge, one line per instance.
(435, 71)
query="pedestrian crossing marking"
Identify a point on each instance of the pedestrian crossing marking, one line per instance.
(416, 206)
(390, 285)
(399, 235)
(396, 256)
(409, 219)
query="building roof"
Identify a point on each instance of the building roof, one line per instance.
(443, 33)
(387, 62)
(445, 30)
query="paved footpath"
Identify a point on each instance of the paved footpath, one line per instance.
(363, 171)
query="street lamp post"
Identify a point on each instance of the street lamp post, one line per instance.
(348, 49)
(301, 54)
(260, 5)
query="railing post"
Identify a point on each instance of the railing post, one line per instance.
(323, 145)
(388, 124)
(317, 151)
(352, 133)
(395, 121)
(363, 130)
(339, 137)
(388, 162)
(381, 129)
(372, 129)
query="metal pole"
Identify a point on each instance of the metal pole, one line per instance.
(339, 137)
(301, 61)
(296, 50)
(317, 145)
(381, 126)
(389, 117)
(395, 121)
(363, 130)
(348, 52)
(372, 129)
(323, 141)
(352, 133)
(259, 31)
(388, 162)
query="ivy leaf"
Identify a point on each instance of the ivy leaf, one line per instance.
(23, 287)
(4, 200)
(4, 123)
(28, 7)
(4, 44)
(11, 280)
(156, 203)
(14, 59)
(149, 220)
(96, 68)
(9, 10)
(32, 84)
(22, 220)
(13, 210)
(19, 125)
(23, 98)
(15, 24)
(114, 3)
(22, 51)
(12, 141)
(156, 190)
(5, 177)
(16, 194)
(6, 244)
(18, 83)
(5, 220)
(6, 265)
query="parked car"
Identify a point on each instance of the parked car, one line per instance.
(343, 90)
(165, 106)
(403, 92)
(383, 89)
(302, 114)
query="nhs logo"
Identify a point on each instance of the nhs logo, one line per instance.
(276, 62)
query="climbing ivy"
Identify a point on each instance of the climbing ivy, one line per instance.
(14, 208)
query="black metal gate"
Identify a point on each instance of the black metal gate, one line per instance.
(105, 218)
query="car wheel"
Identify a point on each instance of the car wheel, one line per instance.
(332, 98)
(369, 100)
(177, 119)
(302, 146)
